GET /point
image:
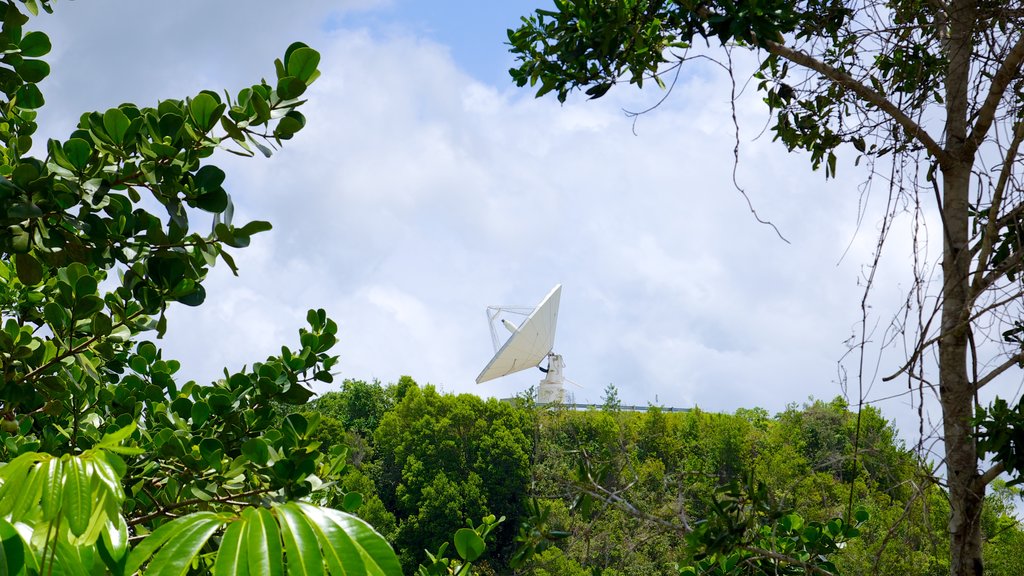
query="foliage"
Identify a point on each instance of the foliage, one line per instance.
(470, 544)
(444, 460)
(929, 95)
(113, 466)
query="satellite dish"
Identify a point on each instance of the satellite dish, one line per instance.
(530, 343)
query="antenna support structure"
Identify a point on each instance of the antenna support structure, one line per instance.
(530, 343)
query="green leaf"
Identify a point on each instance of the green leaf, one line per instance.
(255, 227)
(145, 549)
(78, 152)
(115, 438)
(302, 63)
(35, 44)
(290, 87)
(77, 495)
(350, 545)
(30, 272)
(113, 545)
(29, 97)
(12, 560)
(53, 485)
(175, 557)
(256, 450)
(203, 109)
(352, 501)
(56, 315)
(231, 560)
(116, 124)
(300, 542)
(263, 542)
(33, 70)
(469, 544)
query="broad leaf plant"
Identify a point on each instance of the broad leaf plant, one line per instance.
(111, 464)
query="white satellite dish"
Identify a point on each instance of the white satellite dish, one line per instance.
(530, 343)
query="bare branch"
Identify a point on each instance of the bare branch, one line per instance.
(1009, 69)
(1014, 360)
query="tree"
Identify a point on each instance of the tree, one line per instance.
(932, 89)
(113, 466)
(442, 460)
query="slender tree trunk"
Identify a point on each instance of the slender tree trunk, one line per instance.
(956, 390)
(966, 491)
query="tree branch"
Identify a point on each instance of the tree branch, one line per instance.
(809, 568)
(991, 474)
(165, 510)
(1014, 360)
(869, 95)
(1007, 72)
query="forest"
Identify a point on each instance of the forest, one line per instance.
(611, 492)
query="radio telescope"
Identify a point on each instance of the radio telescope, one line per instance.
(530, 343)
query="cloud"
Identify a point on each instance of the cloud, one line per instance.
(418, 195)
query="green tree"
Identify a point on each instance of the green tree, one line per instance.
(443, 460)
(934, 87)
(112, 465)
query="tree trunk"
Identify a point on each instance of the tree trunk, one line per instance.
(966, 491)
(956, 390)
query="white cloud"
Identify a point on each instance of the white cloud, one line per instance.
(418, 195)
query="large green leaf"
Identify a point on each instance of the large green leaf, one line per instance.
(53, 485)
(12, 558)
(263, 542)
(300, 542)
(469, 544)
(150, 544)
(350, 545)
(77, 497)
(35, 44)
(175, 557)
(231, 560)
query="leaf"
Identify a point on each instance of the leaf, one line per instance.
(116, 124)
(77, 497)
(30, 272)
(255, 227)
(352, 501)
(33, 70)
(290, 87)
(29, 97)
(263, 542)
(35, 44)
(78, 152)
(12, 559)
(53, 484)
(115, 438)
(350, 545)
(231, 559)
(145, 549)
(469, 544)
(302, 62)
(203, 109)
(114, 544)
(175, 557)
(256, 450)
(300, 542)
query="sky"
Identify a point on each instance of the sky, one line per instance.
(426, 186)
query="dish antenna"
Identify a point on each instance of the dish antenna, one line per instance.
(530, 343)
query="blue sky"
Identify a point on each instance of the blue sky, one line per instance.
(426, 187)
